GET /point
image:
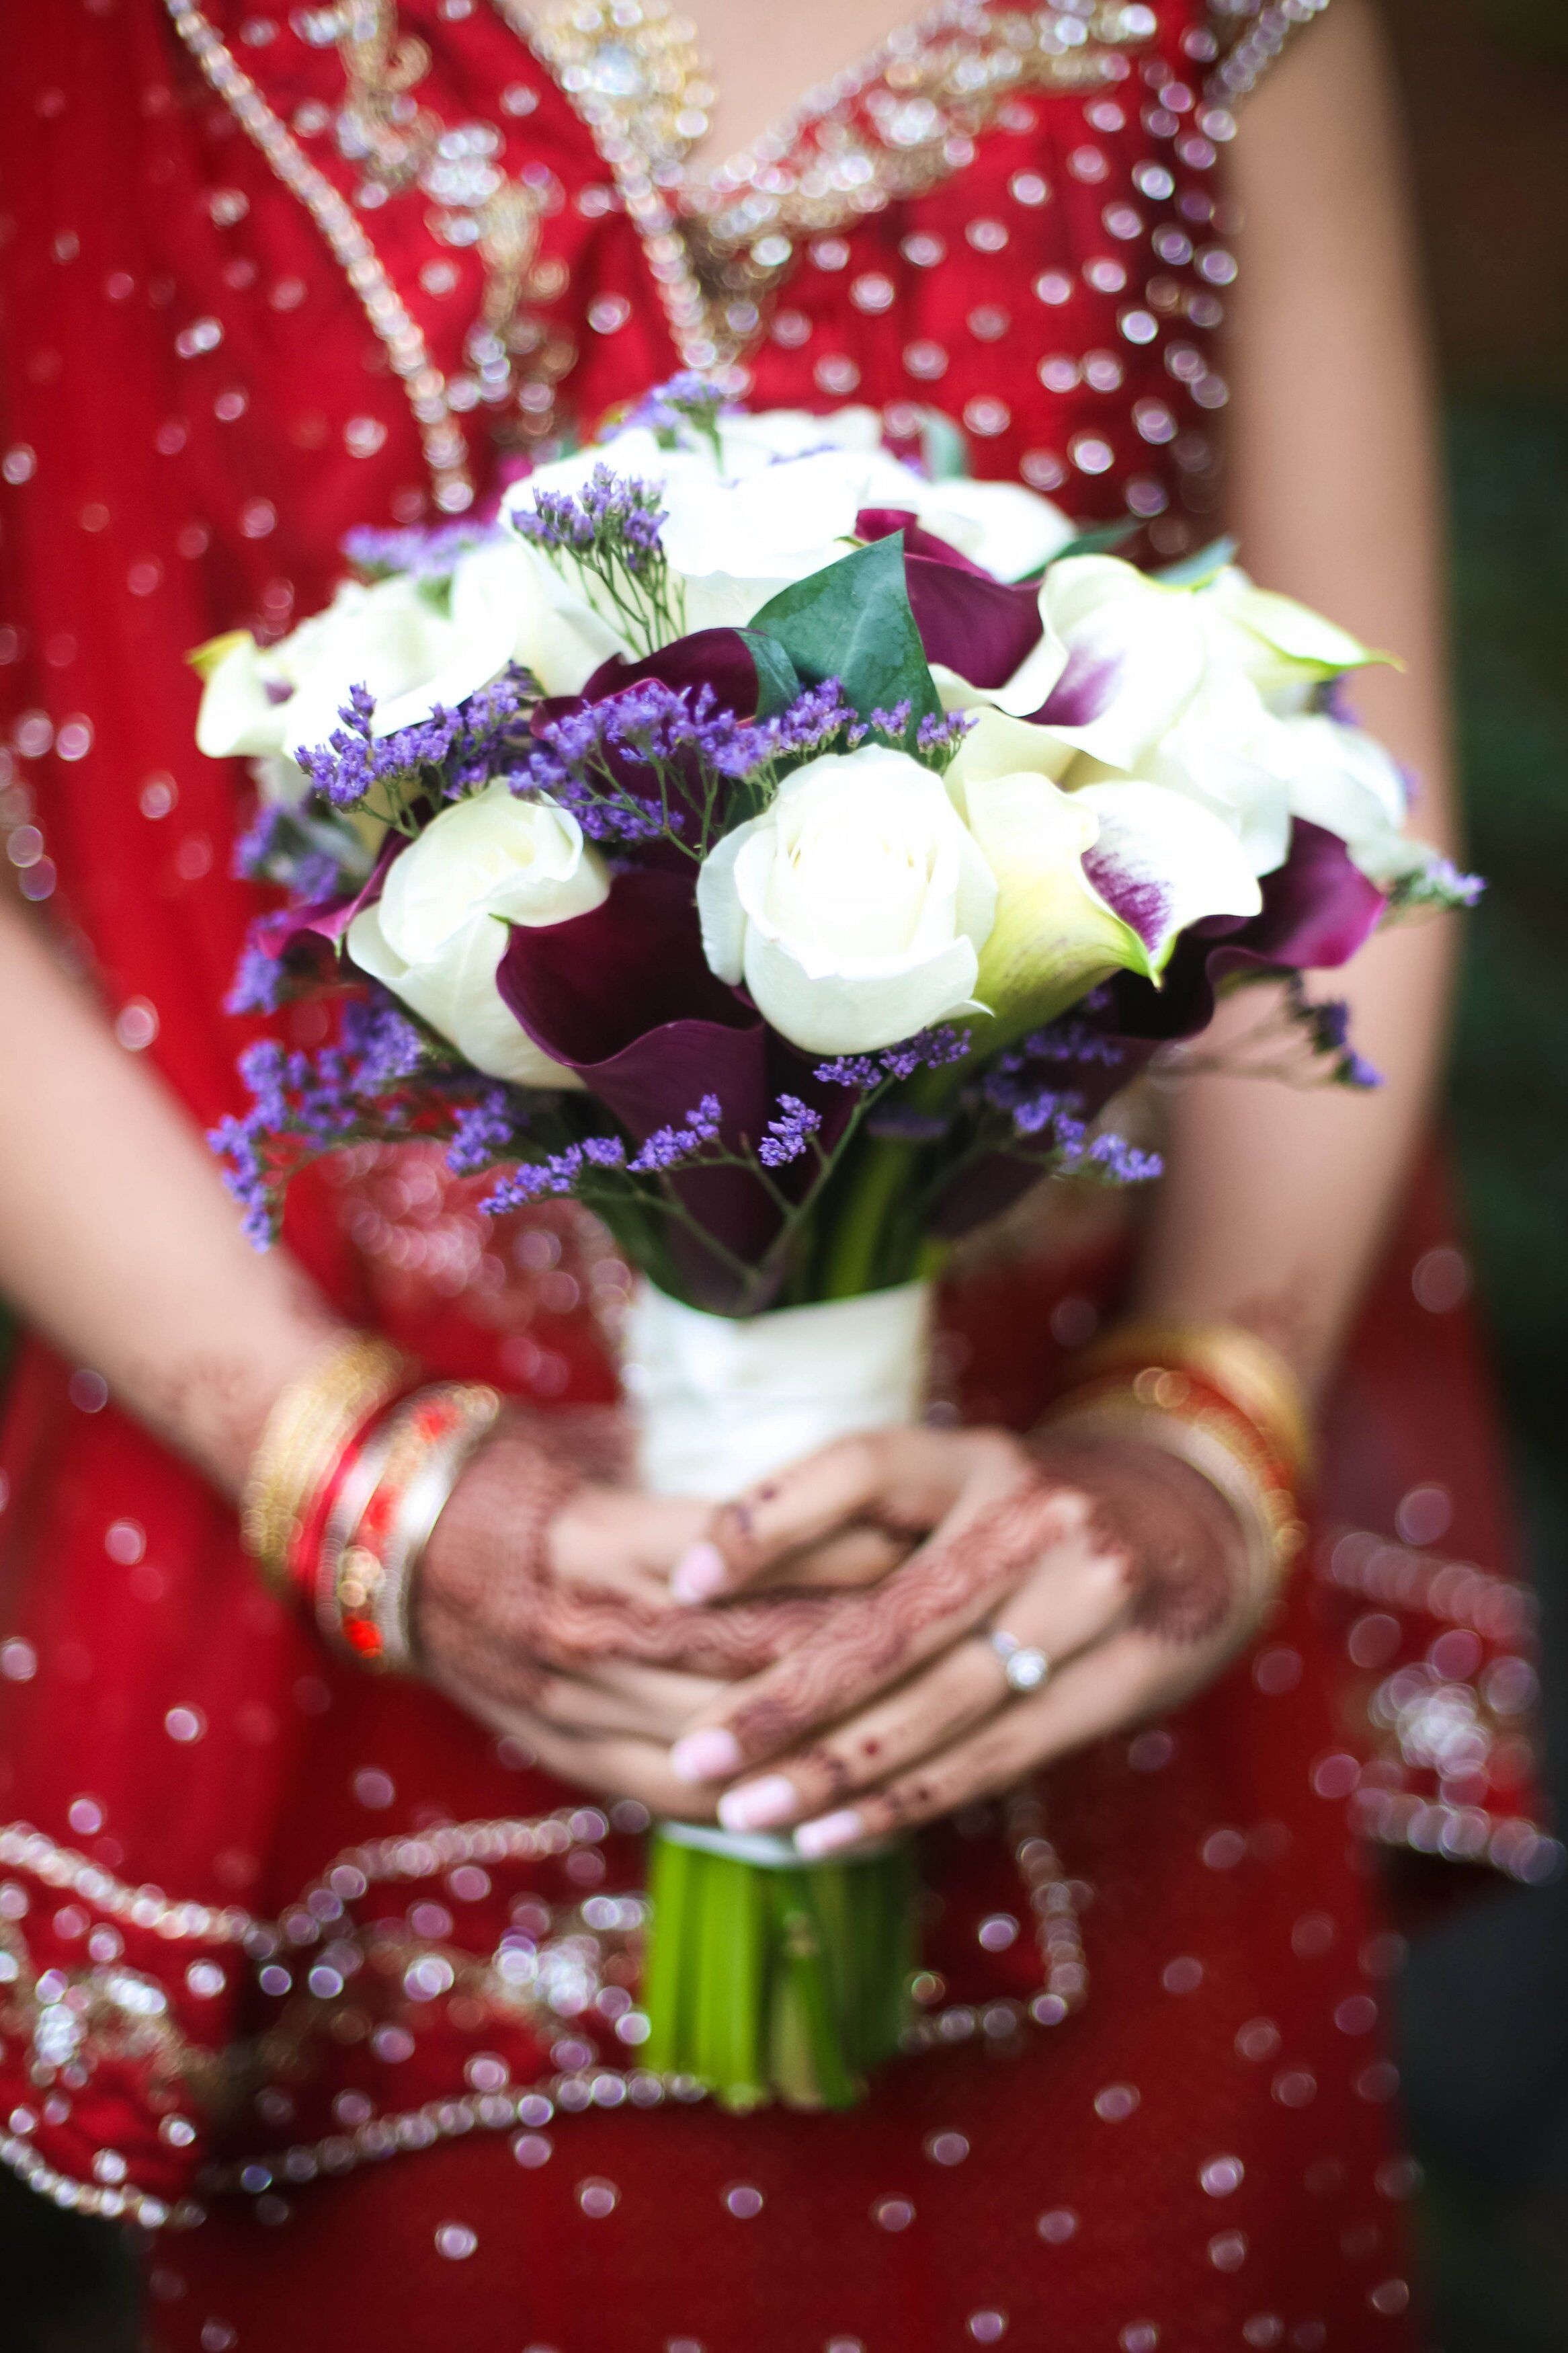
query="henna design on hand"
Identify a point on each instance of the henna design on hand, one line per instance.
(1183, 1553)
(870, 1636)
(492, 1609)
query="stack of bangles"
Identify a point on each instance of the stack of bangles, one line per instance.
(1222, 1401)
(353, 1469)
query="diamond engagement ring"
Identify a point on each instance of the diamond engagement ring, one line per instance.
(1026, 1669)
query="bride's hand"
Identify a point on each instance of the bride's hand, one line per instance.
(544, 1608)
(1122, 1568)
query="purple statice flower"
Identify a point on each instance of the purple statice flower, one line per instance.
(1068, 1040)
(1355, 1071)
(383, 1045)
(928, 1049)
(558, 1176)
(427, 552)
(1109, 1158)
(894, 723)
(898, 1122)
(675, 736)
(449, 752)
(258, 985)
(940, 734)
(815, 719)
(614, 518)
(687, 399)
(486, 1131)
(672, 1147)
(1438, 884)
(264, 842)
(789, 1132)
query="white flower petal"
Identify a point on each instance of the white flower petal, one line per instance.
(1009, 529)
(457, 994)
(1163, 861)
(237, 716)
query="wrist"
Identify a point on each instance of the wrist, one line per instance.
(1216, 1401)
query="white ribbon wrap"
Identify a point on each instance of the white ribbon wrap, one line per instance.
(721, 1403)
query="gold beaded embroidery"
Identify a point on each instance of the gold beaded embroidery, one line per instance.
(71, 2020)
(439, 433)
(401, 146)
(1249, 35)
(721, 244)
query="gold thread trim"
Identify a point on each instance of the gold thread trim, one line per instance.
(440, 436)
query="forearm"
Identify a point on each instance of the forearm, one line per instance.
(117, 1238)
(1278, 1197)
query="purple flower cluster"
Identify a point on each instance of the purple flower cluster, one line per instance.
(284, 845)
(671, 1147)
(686, 400)
(1438, 884)
(613, 517)
(424, 552)
(561, 1173)
(486, 1131)
(789, 1132)
(689, 744)
(1326, 1026)
(1108, 1157)
(1069, 1040)
(1050, 1119)
(449, 754)
(305, 1104)
(259, 984)
(929, 1050)
(571, 1171)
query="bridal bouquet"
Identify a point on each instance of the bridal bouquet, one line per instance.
(787, 847)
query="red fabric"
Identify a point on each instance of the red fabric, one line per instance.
(187, 376)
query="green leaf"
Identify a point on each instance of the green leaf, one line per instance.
(1193, 571)
(778, 683)
(1103, 540)
(853, 622)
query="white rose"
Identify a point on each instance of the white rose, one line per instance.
(855, 908)
(439, 930)
(397, 638)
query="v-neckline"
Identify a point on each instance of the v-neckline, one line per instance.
(779, 139)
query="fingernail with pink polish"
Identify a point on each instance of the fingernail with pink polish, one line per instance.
(710, 1756)
(829, 1832)
(699, 1573)
(760, 1804)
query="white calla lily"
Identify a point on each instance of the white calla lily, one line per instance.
(438, 931)
(855, 908)
(1090, 880)
(1276, 642)
(1228, 755)
(1163, 861)
(1345, 780)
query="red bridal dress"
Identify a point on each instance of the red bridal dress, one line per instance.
(298, 1970)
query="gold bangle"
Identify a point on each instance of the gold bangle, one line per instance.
(309, 1425)
(1212, 1445)
(380, 1526)
(1252, 1375)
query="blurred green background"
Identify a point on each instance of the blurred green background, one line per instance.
(1485, 2018)
(1485, 1997)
